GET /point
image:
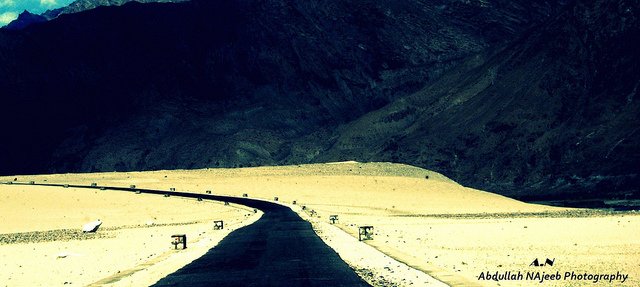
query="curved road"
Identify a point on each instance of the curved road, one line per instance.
(280, 249)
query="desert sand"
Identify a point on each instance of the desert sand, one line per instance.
(424, 221)
(41, 243)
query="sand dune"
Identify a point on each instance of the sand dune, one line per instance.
(421, 218)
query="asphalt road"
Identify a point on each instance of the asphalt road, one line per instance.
(280, 249)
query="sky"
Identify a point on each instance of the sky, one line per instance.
(9, 9)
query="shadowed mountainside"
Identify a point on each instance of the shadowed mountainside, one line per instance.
(554, 112)
(467, 88)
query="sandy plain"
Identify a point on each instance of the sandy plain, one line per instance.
(41, 243)
(421, 219)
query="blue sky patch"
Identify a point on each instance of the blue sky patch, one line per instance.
(10, 9)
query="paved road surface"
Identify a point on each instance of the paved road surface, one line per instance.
(280, 249)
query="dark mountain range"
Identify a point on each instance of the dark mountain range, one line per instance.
(556, 111)
(83, 5)
(509, 96)
(25, 19)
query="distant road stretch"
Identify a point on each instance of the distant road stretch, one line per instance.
(280, 249)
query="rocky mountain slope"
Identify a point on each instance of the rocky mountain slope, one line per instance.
(494, 94)
(555, 111)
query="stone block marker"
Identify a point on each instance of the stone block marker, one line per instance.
(179, 239)
(365, 233)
